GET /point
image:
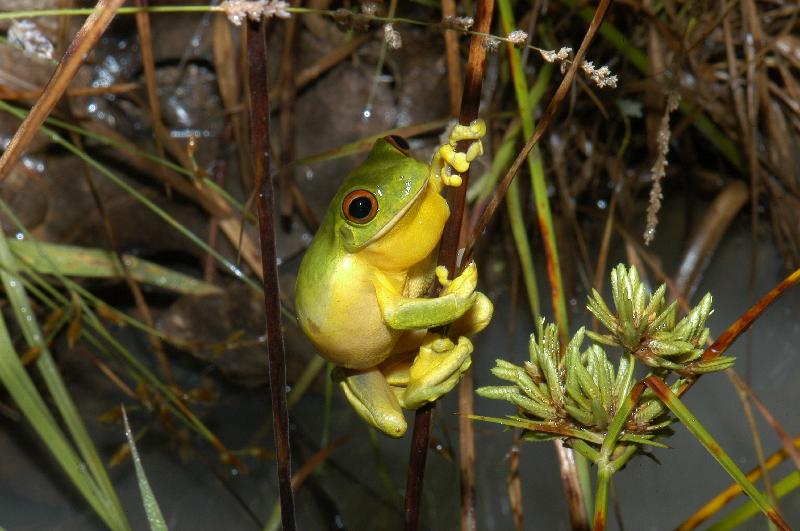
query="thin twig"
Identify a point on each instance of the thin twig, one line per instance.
(149, 65)
(544, 123)
(72, 92)
(259, 113)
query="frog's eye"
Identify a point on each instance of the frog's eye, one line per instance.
(360, 206)
(399, 143)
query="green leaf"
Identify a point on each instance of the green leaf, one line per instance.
(69, 260)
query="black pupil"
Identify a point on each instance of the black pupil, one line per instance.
(400, 142)
(360, 208)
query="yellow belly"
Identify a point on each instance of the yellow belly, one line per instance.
(347, 327)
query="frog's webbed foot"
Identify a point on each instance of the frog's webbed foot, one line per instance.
(373, 399)
(436, 370)
(476, 319)
(447, 158)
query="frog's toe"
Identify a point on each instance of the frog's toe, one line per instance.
(436, 370)
(373, 399)
(474, 131)
(464, 284)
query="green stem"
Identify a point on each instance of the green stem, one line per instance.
(604, 473)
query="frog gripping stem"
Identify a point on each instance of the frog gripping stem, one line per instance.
(449, 159)
(448, 251)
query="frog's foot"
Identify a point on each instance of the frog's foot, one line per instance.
(447, 159)
(436, 370)
(476, 319)
(373, 399)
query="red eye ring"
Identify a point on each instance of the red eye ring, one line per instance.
(360, 206)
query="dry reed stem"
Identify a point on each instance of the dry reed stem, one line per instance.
(287, 93)
(120, 88)
(453, 58)
(148, 63)
(259, 116)
(448, 250)
(708, 234)
(542, 126)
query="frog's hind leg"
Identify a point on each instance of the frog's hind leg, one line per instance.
(373, 399)
(436, 370)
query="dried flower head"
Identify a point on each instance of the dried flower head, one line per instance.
(492, 44)
(238, 10)
(659, 169)
(26, 35)
(517, 37)
(552, 56)
(392, 37)
(458, 23)
(370, 8)
(601, 77)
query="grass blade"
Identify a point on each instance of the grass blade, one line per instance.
(674, 404)
(55, 385)
(151, 508)
(73, 261)
(742, 514)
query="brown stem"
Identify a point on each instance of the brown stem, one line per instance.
(286, 95)
(748, 318)
(119, 88)
(453, 58)
(259, 116)
(448, 250)
(149, 65)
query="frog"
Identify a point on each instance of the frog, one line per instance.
(361, 290)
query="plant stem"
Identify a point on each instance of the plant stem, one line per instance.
(448, 251)
(604, 473)
(259, 116)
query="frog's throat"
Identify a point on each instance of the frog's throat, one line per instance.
(397, 217)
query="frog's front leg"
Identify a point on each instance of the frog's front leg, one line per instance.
(406, 313)
(447, 157)
(373, 399)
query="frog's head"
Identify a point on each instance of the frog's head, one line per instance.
(386, 208)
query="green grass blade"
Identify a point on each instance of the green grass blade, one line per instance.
(526, 103)
(69, 260)
(694, 426)
(742, 514)
(25, 317)
(151, 508)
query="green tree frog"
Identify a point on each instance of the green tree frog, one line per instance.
(361, 287)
